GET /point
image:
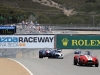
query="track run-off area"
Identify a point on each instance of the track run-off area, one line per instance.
(64, 66)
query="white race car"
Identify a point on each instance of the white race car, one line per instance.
(56, 54)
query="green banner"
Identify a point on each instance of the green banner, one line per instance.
(78, 42)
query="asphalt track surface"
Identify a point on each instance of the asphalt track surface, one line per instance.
(59, 66)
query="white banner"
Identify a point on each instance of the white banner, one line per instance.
(26, 41)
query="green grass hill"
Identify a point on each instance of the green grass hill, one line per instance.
(17, 10)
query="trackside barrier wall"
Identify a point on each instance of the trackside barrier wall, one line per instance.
(26, 41)
(78, 41)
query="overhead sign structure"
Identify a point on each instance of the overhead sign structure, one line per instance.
(27, 41)
(78, 42)
(7, 30)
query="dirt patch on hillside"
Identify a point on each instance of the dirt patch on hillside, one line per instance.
(9, 67)
(51, 3)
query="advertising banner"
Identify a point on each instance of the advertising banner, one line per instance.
(7, 30)
(78, 42)
(26, 41)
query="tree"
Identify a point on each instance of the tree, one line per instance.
(33, 15)
(1, 17)
(10, 17)
(90, 1)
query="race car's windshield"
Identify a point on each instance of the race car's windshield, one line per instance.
(87, 53)
(59, 51)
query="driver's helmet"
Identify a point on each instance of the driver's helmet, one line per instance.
(87, 53)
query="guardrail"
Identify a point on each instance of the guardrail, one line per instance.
(72, 25)
(80, 27)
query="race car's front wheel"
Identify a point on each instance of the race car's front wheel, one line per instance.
(75, 61)
(40, 56)
(96, 65)
(62, 58)
(80, 63)
(49, 57)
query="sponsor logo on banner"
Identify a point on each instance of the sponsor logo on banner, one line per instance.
(80, 42)
(22, 41)
(76, 42)
(65, 41)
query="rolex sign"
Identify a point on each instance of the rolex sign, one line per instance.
(78, 42)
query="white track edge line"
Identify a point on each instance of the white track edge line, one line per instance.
(22, 66)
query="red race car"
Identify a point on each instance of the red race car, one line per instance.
(86, 59)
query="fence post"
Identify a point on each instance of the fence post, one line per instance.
(55, 41)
